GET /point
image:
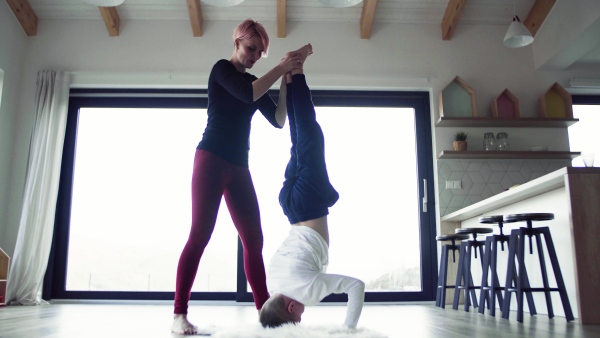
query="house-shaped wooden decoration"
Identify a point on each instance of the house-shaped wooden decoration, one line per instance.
(506, 105)
(4, 264)
(458, 100)
(556, 103)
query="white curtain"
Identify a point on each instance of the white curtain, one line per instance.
(34, 239)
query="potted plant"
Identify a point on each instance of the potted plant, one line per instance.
(460, 141)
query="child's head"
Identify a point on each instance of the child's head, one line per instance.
(279, 310)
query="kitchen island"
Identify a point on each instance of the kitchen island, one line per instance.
(573, 196)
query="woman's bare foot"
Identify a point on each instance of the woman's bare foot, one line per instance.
(181, 325)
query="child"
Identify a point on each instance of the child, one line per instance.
(296, 275)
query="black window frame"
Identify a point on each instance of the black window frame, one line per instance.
(55, 278)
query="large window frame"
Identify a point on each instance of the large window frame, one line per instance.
(586, 99)
(55, 279)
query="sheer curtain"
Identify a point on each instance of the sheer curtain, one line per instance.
(34, 239)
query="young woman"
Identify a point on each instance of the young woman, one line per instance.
(221, 161)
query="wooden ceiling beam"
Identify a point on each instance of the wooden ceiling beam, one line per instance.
(366, 18)
(195, 12)
(537, 14)
(281, 18)
(111, 20)
(25, 15)
(451, 17)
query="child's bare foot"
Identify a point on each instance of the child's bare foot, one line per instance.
(304, 52)
(182, 326)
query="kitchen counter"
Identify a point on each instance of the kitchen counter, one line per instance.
(573, 195)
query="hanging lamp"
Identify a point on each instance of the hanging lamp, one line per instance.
(104, 3)
(223, 3)
(340, 3)
(517, 35)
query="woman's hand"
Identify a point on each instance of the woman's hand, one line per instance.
(291, 61)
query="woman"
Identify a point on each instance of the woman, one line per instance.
(221, 161)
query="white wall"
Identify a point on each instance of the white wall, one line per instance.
(164, 53)
(571, 30)
(12, 48)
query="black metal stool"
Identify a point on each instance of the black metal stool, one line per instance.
(516, 250)
(490, 259)
(442, 285)
(464, 278)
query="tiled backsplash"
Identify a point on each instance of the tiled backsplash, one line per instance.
(481, 179)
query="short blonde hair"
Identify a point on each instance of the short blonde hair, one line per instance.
(274, 312)
(250, 28)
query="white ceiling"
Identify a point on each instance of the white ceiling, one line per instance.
(486, 12)
(476, 12)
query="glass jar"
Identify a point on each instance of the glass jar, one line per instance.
(489, 143)
(502, 141)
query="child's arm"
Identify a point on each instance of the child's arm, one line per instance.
(356, 298)
(355, 289)
(281, 111)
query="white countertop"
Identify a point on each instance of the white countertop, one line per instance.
(540, 185)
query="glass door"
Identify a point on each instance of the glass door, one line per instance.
(124, 206)
(582, 135)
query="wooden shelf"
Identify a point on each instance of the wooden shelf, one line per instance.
(522, 122)
(530, 155)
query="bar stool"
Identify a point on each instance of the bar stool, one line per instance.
(490, 260)
(464, 278)
(442, 285)
(516, 250)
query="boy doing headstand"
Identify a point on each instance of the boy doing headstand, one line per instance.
(296, 275)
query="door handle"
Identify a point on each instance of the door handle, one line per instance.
(424, 195)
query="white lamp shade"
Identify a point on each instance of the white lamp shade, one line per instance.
(340, 3)
(223, 3)
(517, 35)
(104, 3)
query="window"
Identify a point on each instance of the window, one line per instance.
(582, 135)
(124, 209)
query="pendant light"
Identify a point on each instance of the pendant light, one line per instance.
(340, 3)
(104, 3)
(223, 3)
(517, 35)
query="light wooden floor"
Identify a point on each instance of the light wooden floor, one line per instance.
(153, 319)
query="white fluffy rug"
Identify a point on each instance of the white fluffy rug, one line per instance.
(290, 331)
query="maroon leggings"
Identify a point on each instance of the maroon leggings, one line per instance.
(214, 177)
